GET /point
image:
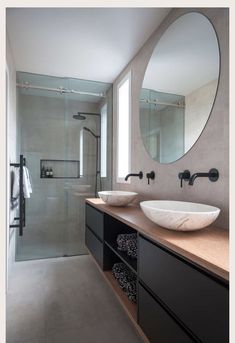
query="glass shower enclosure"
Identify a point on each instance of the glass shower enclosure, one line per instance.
(162, 124)
(64, 123)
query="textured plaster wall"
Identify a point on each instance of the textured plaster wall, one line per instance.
(106, 182)
(197, 107)
(212, 148)
(13, 152)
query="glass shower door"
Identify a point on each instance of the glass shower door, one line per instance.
(43, 144)
(62, 151)
(80, 143)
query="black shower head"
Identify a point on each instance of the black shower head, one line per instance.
(82, 115)
(79, 116)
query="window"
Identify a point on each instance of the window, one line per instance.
(123, 128)
(103, 142)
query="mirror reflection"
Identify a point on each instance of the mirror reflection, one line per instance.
(179, 88)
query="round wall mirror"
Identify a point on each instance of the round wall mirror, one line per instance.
(179, 87)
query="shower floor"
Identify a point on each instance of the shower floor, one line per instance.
(51, 241)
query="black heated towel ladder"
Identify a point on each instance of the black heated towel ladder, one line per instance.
(21, 217)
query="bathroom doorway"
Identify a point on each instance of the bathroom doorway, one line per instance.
(60, 139)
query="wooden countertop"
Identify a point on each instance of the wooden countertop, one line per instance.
(208, 248)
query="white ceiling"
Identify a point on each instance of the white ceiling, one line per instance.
(85, 43)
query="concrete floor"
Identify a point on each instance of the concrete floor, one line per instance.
(64, 300)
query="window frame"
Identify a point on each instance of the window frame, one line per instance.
(120, 84)
(105, 140)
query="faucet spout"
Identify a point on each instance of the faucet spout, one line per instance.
(194, 176)
(139, 175)
(213, 176)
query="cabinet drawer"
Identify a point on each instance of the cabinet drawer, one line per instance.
(156, 323)
(198, 300)
(95, 221)
(95, 246)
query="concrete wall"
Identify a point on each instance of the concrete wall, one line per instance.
(13, 146)
(212, 148)
(106, 183)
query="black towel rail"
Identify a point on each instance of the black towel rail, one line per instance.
(21, 217)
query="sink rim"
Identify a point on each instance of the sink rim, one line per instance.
(209, 209)
(118, 198)
(117, 193)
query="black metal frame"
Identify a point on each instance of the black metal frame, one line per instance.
(60, 177)
(21, 217)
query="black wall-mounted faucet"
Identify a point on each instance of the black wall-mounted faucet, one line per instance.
(213, 176)
(139, 175)
(151, 176)
(185, 175)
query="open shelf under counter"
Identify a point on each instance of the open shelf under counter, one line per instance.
(130, 262)
(129, 306)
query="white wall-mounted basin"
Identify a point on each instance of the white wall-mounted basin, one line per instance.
(179, 215)
(117, 198)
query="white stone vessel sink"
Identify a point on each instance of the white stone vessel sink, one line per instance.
(117, 198)
(179, 215)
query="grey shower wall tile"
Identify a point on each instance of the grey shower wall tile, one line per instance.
(42, 239)
(75, 237)
(89, 165)
(55, 208)
(48, 207)
(45, 132)
(47, 136)
(72, 206)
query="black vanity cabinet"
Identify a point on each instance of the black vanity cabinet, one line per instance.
(194, 298)
(156, 322)
(94, 233)
(177, 301)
